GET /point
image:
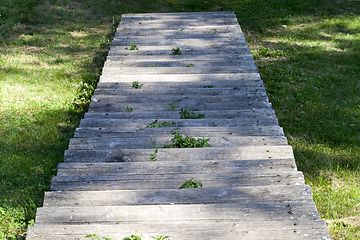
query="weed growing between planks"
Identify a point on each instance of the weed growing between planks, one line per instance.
(136, 85)
(192, 184)
(176, 51)
(190, 114)
(153, 156)
(160, 237)
(132, 46)
(155, 124)
(96, 237)
(132, 237)
(172, 106)
(179, 141)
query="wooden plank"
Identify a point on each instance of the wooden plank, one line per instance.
(244, 68)
(221, 31)
(181, 15)
(182, 100)
(143, 123)
(168, 114)
(204, 90)
(181, 154)
(257, 194)
(200, 230)
(171, 181)
(178, 58)
(130, 132)
(153, 50)
(158, 63)
(198, 105)
(228, 79)
(223, 141)
(176, 167)
(186, 40)
(220, 211)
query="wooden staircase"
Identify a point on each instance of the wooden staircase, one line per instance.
(108, 185)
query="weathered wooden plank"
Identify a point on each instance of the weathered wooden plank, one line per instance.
(224, 141)
(189, 33)
(171, 24)
(158, 63)
(94, 132)
(221, 31)
(157, 51)
(243, 68)
(180, 15)
(143, 123)
(181, 99)
(170, 20)
(200, 230)
(178, 58)
(181, 154)
(176, 167)
(189, 80)
(187, 40)
(185, 104)
(226, 114)
(171, 181)
(221, 211)
(257, 194)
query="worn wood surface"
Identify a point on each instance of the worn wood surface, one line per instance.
(118, 180)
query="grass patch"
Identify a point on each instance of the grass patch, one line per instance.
(307, 53)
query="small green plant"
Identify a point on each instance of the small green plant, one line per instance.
(155, 124)
(181, 29)
(190, 65)
(160, 237)
(214, 31)
(178, 141)
(189, 114)
(136, 85)
(153, 65)
(176, 51)
(192, 184)
(132, 46)
(172, 106)
(132, 237)
(129, 109)
(153, 156)
(153, 141)
(96, 237)
(209, 86)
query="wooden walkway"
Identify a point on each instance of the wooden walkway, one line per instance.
(108, 185)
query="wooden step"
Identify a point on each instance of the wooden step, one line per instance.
(198, 105)
(168, 114)
(224, 141)
(175, 167)
(131, 132)
(200, 230)
(257, 194)
(181, 154)
(190, 80)
(144, 182)
(177, 212)
(143, 123)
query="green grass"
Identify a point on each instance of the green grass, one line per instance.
(307, 53)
